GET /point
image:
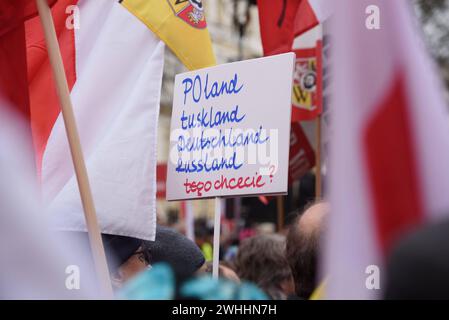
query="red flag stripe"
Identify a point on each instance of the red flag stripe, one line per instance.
(13, 75)
(43, 98)
(392, 166)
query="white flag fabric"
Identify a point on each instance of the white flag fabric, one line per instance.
(119, 64)
(34, 260)
(389, 145)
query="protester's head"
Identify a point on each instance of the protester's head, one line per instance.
(261, 259)
(302, 248)
(202, 231)
(129, 256)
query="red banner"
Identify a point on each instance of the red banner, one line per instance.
(161, 180)
(302, 155)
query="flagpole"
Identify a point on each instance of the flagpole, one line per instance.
(217, 223)
(62, 89)
(190, 221)
(318, 187)
(281, 212)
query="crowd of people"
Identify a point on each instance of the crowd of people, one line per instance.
(286, 265)
(275, 266)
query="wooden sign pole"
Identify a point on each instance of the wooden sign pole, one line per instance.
(190, 220)
(217, 224)
(281, 212)
(62, 89)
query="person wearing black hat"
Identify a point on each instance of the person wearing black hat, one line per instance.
(127, 256)
(134, 255)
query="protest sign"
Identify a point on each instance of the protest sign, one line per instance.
(230, 130)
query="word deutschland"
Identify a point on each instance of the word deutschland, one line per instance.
(225, 139)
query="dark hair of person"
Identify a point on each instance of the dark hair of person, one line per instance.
(301, 253)
(261, 260)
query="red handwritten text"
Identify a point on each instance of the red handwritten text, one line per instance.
(223, 183)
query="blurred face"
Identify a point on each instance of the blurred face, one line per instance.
(137, 263)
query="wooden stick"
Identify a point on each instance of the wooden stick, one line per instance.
(318, 184)
(62, 89)
(281, 212)
(217, 224)
(189, 220)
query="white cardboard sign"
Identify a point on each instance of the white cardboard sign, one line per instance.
(230, 130)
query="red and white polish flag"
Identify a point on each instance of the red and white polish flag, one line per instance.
(389, 145)
(114, 66)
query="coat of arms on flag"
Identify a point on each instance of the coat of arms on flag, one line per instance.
(181, 24)
(191, 11)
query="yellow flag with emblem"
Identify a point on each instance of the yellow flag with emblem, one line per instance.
(182, 26)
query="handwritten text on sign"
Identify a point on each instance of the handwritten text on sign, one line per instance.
(230, 129)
